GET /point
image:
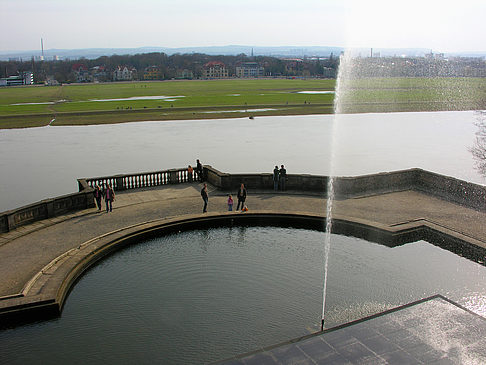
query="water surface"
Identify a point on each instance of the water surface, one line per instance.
(38, 163)
(201, 296)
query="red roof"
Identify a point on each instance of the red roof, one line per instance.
(79, 67)
(214, 63)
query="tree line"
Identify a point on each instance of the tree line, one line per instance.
(170, 67)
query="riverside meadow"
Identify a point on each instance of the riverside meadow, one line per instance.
(104, 103)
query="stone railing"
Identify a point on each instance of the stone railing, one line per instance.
(84, 199)
(44, 209)
(443, 187)
(139, 180)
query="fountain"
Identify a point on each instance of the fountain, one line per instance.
(348, 266)
(362, 86)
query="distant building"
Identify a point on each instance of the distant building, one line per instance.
(185, 74)
(81, 73)
(51, 81)
(293, 65)
(249, 70)
(124, 73)
(23, 78)
(98, 73)
(152, 73)
(214, 70)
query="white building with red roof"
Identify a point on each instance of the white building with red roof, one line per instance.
(214, 70)
(124, 73)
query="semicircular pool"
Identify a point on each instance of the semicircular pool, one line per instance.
(201, 296)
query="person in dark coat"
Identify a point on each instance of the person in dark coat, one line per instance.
(109, 196)
(241, 197)
(97, 195)
(199, 170)
(205, 197)
(275, 178)
(283, 177)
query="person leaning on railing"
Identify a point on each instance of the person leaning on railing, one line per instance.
(190, 171)
(199, 170)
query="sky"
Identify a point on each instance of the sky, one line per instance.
(442, 26)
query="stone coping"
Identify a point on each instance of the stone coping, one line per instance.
(44, 295)
(444, 187)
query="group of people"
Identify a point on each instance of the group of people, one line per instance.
(279, 181)
(199, 172)
(279, 178)
(107, 194)
(240, 195)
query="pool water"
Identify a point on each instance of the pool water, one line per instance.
(201, 296)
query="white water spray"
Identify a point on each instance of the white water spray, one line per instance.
(338, 109)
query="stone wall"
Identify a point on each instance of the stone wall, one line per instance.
(264, 181)
(443, 187)
(44, 209)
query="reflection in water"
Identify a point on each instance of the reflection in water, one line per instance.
(479, 148)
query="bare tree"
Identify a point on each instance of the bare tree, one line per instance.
(479, 148)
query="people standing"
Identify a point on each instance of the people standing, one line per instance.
(275, 178)
(199, 170)
(205, 197)
(241, 197)
(109, 196)
(97, 195)
(190, 171)
(283, 177)
(230, 203)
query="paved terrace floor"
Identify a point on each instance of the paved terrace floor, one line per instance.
(26, 250)
(402, 337)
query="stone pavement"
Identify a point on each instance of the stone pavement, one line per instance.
(27, 250)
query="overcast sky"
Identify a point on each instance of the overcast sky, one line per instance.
(442, 26)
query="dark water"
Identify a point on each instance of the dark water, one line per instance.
(202, 296)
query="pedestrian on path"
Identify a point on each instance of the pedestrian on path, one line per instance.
(275, 178)
(230, 203)
(205, 197)
(283, 177)
(97, 195)
(109, 196)
(241, 195)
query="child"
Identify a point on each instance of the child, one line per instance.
(230, 203)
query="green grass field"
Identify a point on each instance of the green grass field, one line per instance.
(30, 106)
(73, 104)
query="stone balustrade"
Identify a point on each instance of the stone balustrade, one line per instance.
(443, 187)
(44, 209)
(141, 179)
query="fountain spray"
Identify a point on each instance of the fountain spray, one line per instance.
(344, 61)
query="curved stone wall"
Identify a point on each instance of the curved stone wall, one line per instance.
(44, 295)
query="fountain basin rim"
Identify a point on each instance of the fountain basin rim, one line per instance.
(44, 295)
